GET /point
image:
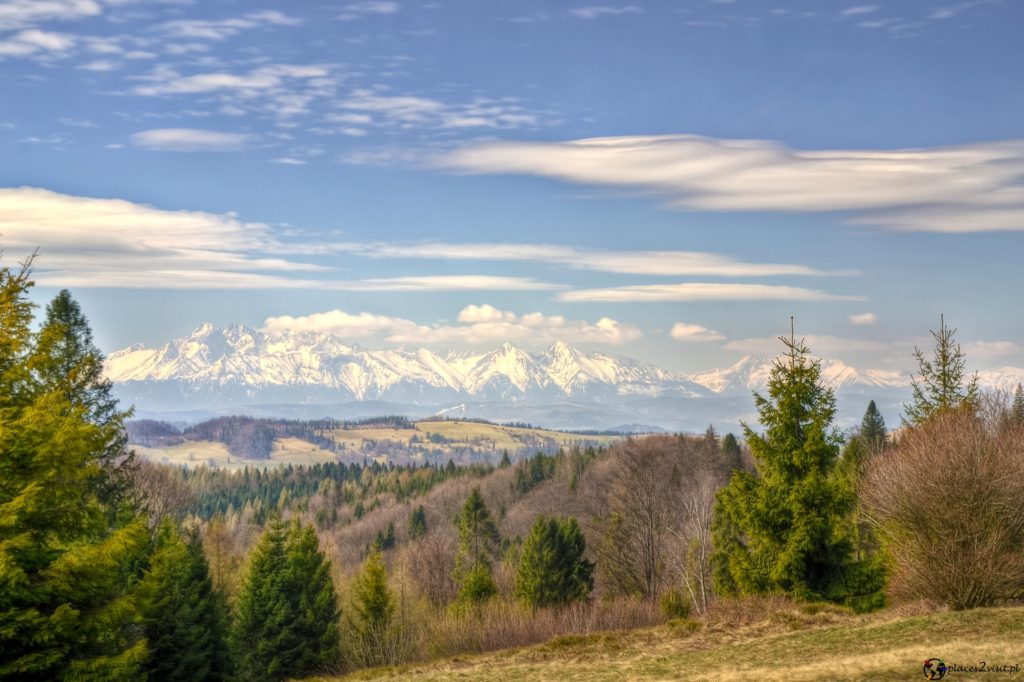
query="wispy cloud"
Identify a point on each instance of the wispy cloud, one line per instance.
(221, 29)
(16, 14)
(33, 42)
(92, 242)
(859, 10)
(476, 324)
(681, 331)
(358, 10)
(700, 291)
(598, 11)
(405, 111)
(967, 188)
(625, 262)
(189, 140)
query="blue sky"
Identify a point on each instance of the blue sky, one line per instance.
(664, 180)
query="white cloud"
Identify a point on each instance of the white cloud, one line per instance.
(477, 324)
(681, 331)
(90, 242)
(221, 29)
(15, 14)
(598, 11)
(288, 161)
(625, 262)
(700, 291)
(33, 42)
(859, 9)
(409, 110)
(968, 188)
(864, 319)
(188, 140)
(358, 10)
(359, 325)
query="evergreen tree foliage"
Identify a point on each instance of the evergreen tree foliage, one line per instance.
(66, 360)
(67, 577)
(783, 527)
(872, 428)
(373, 611)
(418, 522)
(731, 451)
(385, 539)
(552, 569)
(183, 616)
(1017, 409)
(287, 613)
(479, 541)
(939, 384)
(506, 461)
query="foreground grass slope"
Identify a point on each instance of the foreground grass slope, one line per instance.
(790, 643)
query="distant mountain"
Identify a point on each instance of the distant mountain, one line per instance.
(239, 363)
(752, 372)
(236, 369)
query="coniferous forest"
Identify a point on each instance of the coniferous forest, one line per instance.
(116, 568)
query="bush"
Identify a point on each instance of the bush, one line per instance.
(675, 605)
(947, 505)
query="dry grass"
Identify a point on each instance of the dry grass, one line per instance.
(769, 639)
(196, 453)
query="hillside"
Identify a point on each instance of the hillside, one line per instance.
(780, 643)
(417, 442)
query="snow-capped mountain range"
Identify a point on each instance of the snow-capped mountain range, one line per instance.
(229, 368)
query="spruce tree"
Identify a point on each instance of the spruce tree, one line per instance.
(872, 428)
(552, 569)
(286, 623)
(939, 384)
(731, 452)
(783, 527)
(67, 577)
(418, 522)
(478, 543)
(373, 611)
(1017, 409)
(182, 615)
(67, 360)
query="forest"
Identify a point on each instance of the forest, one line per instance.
(114, 568)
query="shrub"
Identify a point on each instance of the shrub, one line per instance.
(675, 605)
(947, 505)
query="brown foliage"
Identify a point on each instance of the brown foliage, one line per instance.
(947, 503)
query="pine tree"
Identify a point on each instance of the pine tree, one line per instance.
(418, 522)
(67, 360)
(872, 428)
(506, 461)
(67, 577)
(183, 616)
(551, 568)
(939, 384)
(478, 543)
(782, 528)
(373, 611)
(1017, 410)
(287, 620)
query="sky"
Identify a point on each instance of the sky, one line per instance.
(669, 181)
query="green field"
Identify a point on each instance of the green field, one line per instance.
(798, 643)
